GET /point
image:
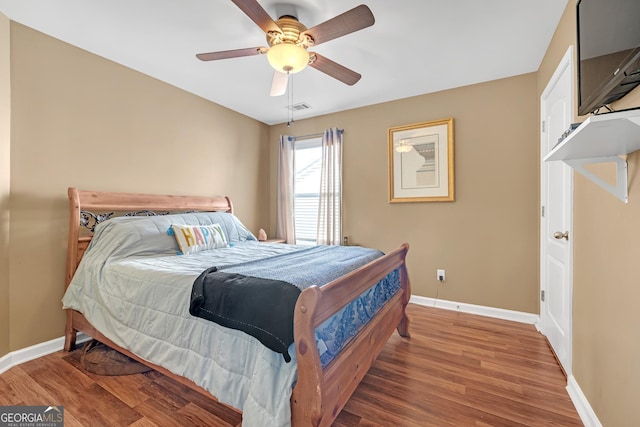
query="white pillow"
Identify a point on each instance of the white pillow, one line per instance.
(194, 238)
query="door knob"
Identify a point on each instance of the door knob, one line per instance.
(560, 235)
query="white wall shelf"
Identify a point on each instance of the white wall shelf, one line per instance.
(602, 139)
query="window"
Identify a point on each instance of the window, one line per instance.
(307, 161)
(309, 208)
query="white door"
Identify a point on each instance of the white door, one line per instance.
(556, 275)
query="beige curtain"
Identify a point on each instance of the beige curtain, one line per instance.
(285, 225)
(330, 203)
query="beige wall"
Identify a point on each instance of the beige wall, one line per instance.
(80, 120)
(5, 135)
(487, 239)
(606, 348)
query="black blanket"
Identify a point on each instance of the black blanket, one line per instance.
(262, 308)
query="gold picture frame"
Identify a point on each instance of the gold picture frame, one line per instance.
(421, 162)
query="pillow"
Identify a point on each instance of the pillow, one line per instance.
(130, 236)
(133, 236)
(195, 238)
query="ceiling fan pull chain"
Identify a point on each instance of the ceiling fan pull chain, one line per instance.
(290, 98)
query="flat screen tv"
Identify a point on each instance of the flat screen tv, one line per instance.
(608, 51)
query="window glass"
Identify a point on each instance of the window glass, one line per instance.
(308, 160)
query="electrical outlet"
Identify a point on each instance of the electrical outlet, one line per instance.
(440, 275)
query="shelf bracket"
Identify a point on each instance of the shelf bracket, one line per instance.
(620, 189)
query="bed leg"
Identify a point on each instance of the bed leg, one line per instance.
(403, 326)
(70, 340)
(69, 333)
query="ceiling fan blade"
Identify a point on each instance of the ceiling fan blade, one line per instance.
(279, 83)
(351, 21)
(253, 10)
(335, 70)
(225, 54)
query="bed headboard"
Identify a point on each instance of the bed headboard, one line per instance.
(88, 208)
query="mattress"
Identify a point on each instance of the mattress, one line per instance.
(140, 300)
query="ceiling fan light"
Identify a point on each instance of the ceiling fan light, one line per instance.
(288, 57)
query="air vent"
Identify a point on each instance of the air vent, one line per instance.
(299, 106)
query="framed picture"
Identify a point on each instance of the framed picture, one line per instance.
(421, 162)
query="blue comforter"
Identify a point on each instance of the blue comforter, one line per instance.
(263, 307)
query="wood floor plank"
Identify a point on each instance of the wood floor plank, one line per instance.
(198, 416)
(224, 412)
(52, 374)
(71, 421)
(6, 394)
(144, 422)
(124, 387)
(103, 409)
(157, 412)
(432, 408)
(25, 390)
(456, 370)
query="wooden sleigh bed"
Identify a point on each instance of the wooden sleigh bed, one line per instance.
(319, 394)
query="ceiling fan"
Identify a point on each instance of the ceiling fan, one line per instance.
(288, 41)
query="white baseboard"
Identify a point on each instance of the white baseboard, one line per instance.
(499, 313)
(587, 415)
(17, 357)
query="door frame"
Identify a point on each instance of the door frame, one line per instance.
(567, 62)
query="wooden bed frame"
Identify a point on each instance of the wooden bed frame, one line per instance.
(319, 395)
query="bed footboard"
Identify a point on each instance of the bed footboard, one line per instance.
(320, 395)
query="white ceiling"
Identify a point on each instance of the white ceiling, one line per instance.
(414, 47)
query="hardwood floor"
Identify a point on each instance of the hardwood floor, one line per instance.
(456, 369)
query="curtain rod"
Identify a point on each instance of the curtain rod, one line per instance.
(311, 135)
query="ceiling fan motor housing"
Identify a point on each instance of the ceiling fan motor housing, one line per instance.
(292, 30)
